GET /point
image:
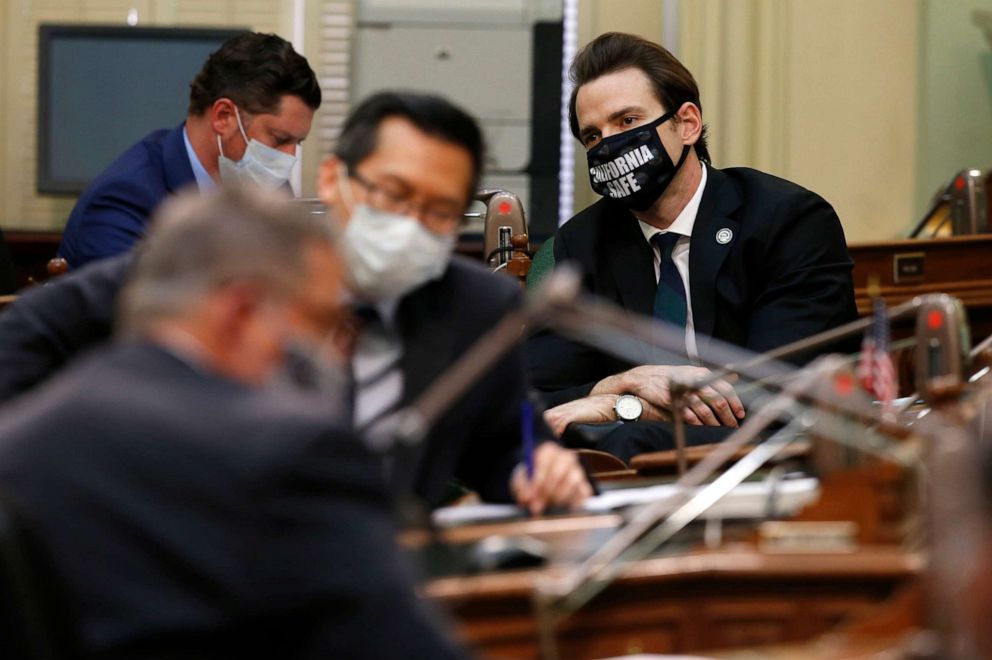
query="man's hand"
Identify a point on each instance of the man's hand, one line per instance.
(714, 405)
(558, 480)
(595, 409)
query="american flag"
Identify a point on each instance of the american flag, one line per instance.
(875, 369)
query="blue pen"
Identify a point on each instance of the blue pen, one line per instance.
(527, 431)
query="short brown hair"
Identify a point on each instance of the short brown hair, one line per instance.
(255, 71)
(614, 51)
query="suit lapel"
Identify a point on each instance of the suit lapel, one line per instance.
(428, 341)
(428, 346)
(631, 262)
(709, 246)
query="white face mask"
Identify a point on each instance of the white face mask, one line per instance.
(261, 165)
(388, 255)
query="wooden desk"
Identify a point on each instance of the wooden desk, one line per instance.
(666, 462)
(954, 265)
(736, 597)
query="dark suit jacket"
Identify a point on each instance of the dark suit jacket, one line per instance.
(477, 441)
(112, 212)
(49, 325)
(784, 275)
(193, 516)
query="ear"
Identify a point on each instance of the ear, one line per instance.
(236, 307)
(223, 120)
(327, 180)
(690, 123)
(329, 188)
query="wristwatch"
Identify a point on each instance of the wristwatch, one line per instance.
(628, 408)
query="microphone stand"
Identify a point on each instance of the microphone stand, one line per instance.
(612, 330)
(608, 328)
(560, 288)
(643, 535)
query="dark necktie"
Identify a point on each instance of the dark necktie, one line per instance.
(669, 299)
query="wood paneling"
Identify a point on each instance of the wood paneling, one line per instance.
(957, 266)
(683, 604)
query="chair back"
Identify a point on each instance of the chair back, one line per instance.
(542, 264)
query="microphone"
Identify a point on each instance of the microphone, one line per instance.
(504, 219)
(942, 347)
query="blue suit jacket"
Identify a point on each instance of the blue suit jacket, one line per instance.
(112, 213)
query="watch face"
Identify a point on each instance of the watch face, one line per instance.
(628, 408)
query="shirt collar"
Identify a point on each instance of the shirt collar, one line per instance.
(685, 221)
(203, 180)
(386, 308)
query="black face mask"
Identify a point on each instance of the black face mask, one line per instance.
(633, 167)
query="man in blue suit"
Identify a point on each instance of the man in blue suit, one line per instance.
(250, 107)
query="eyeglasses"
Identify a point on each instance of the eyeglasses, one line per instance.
(439, 215)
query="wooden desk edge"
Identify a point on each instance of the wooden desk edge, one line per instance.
(877, 561)
(526, 527)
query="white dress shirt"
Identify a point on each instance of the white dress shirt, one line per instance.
(203, 180)
(377, 359)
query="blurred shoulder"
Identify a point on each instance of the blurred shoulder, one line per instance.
(473, 283)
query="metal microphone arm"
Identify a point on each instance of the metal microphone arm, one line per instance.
(655, 523)
(560, 288)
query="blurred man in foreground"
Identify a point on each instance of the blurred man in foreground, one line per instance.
(196, 504)
(250, 107)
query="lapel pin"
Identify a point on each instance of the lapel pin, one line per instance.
(724, 236)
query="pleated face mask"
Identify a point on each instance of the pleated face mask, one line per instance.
(261, 165)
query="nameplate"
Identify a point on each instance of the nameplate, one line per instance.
(907, 267)
(807, 536)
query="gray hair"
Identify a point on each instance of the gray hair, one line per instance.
(199, 241)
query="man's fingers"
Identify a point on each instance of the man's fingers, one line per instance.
(558, 479)
(702, 410)
(719, 405)
(728, 392)
(691, 417)
(575, 489)
(551, 468)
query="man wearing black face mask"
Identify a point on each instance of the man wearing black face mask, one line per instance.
(734, 254)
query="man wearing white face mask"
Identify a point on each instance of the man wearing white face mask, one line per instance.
(250, 107)
(261, 165)
(400, 180)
